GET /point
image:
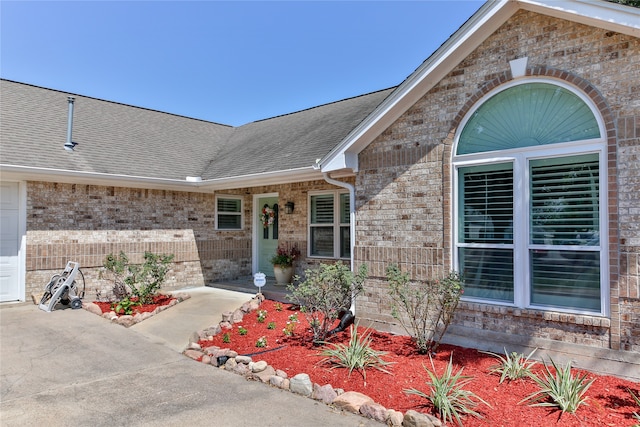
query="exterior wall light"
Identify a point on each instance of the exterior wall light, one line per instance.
(288, 207)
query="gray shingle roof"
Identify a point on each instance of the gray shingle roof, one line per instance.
(112, 138)
(120, 139)
(291, 141)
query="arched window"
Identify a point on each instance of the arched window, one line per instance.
(529, 181)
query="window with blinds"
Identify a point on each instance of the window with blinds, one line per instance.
(229, 213)
(329, 224)
(564, 238)
(529, 200)
(485, 230)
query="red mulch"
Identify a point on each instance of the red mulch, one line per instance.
(609, 403)
(158, 300)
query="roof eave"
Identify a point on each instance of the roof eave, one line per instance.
(27, 173)
(468, 37)
(486, 20)
(607, 15)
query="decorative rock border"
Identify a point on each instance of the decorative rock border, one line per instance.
(229, 360)
(128, 320)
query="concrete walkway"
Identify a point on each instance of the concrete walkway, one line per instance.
(73, 368)
(173, 328)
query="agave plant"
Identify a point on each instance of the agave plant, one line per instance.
(357, 354)
(447, 395)
(513, 365)
(563, 390)
(636, 415)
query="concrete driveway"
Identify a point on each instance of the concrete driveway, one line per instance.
(73, 368)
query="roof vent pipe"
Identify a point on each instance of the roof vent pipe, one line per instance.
(69, 145)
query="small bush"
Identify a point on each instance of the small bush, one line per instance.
(357, 355)
(226, 338)
(271, 325)
(424, 310)
(447, 395)
(141, 281)
(564, 390)
(242, 330)
(262, 342)
(513, 366)
(125, 305)
(325, 294)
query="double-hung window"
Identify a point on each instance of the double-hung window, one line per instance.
(228, 212)
(329, 224)
(530, 179)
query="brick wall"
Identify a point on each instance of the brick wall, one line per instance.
(85, 223)
(403, 187)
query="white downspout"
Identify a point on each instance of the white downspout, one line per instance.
(352, 220)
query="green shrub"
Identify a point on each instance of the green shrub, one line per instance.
(141, 281)
(146, 280)
(424, 310)
(125, 306)
(357, 355)
(563, 390)
(325, 293)
(447, 395)
(513, 366)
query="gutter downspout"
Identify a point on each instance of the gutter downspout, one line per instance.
(352, 220)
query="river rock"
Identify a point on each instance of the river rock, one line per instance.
(394, 418)
(416, 419)
(301, 384)
(325, 393)
(351, 401)
(375, 411)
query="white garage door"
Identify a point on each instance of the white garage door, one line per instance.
(9, 242)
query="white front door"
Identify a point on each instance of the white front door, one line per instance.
(9, 241)
(266, 238)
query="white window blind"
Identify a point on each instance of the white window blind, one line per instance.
(565, 232)
(485, 226)
(229, 213)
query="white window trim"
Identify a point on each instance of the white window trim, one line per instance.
(241, 213)
(520, 159)
(336, 223)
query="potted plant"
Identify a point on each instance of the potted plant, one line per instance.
(283, 264)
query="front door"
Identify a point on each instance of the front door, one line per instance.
(266, 231)
(9, 242)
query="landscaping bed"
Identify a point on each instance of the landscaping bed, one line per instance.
(608, 403)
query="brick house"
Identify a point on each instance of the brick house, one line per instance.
(510, 154)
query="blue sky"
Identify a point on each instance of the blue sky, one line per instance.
(226, 62)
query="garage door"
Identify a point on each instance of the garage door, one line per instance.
(9, 242)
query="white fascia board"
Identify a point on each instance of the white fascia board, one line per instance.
(599, 14)
(26, 173)
(484, 22)
(468, 37)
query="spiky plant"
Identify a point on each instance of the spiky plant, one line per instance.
(562, 390)
(635, 414)
(512, 366)
(447, 395)
(356, 355)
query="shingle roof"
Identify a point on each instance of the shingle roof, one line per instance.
(112, 138)
(119, 139)
(291, 141)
